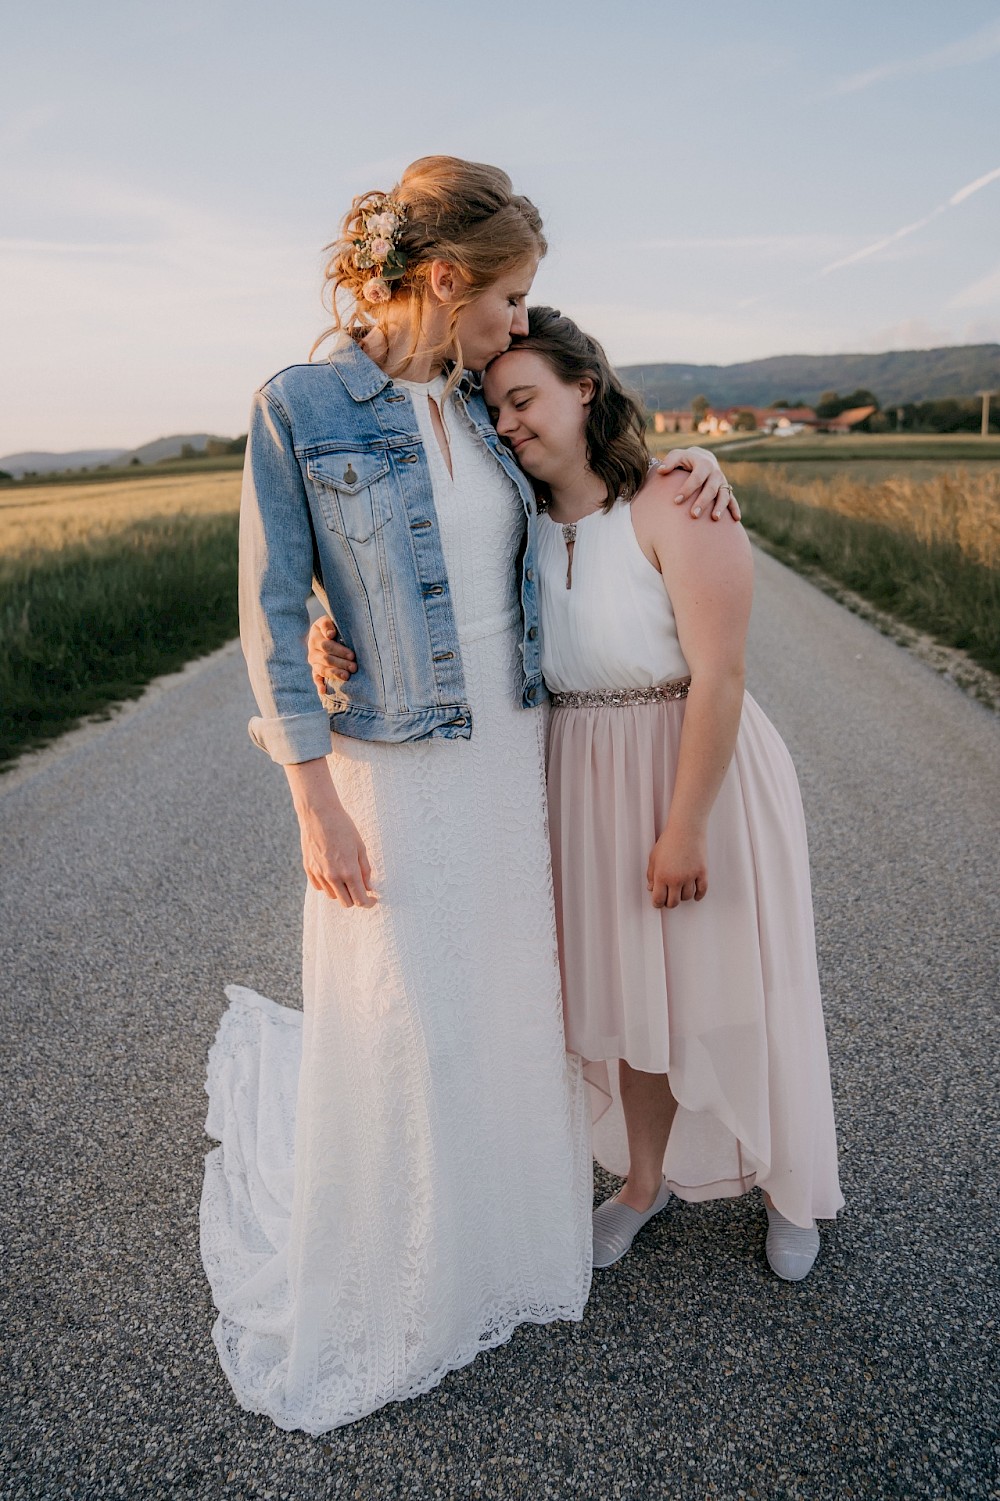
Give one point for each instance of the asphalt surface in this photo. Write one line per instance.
(150, 861)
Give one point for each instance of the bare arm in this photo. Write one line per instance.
(710, 583)
(333, 852)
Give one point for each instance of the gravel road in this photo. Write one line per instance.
(149, 861)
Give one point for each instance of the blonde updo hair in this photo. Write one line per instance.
(463, 212)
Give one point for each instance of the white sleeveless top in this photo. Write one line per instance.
(615, 627)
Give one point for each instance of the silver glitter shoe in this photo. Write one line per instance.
(790, 1249)
(616, 1226)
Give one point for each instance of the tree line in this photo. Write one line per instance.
(947, 414)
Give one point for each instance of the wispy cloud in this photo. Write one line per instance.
(976, 48)
(908, 333)
(982, 293)
(796, 245)
(67, 247)
(908, 229)
(637, 335)
(18, 127)
(202, 249)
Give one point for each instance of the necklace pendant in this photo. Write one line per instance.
(569, 537)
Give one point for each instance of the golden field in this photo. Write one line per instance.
(956, 505)
(50, 518)
(923, 545)
(105, 586)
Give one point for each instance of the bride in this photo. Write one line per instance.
(403, 1168)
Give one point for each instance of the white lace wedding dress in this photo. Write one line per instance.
(404, 1170)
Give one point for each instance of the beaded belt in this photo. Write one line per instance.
(618, 697)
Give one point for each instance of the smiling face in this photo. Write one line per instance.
(486, 325)
(542, 418)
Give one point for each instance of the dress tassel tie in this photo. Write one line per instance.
(569, 537)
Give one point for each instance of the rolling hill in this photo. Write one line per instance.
(896, 377)
(53, 463)
(18, 464)
(168, 448)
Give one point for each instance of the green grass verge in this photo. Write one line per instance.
(88, 626)
(934, 587)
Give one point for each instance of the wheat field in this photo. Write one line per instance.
(103, 587)
(958, 506)
(923, 548)
(52, 518)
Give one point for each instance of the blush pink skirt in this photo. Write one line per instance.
(721, 995)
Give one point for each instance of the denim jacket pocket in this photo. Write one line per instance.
(351, 489)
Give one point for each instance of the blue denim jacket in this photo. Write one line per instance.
(337, 498)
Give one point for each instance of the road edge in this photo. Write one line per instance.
(947, 661)
(32, 762)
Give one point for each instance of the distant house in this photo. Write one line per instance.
(673, 422)
(786, 419)
(781, 420)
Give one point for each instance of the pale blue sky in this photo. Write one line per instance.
(718, 183)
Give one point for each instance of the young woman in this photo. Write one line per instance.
(403, 1173)
(678, 843)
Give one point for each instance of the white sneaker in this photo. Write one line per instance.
(790, 1249)
(616, 1226)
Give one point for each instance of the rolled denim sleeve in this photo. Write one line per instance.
(276, 571)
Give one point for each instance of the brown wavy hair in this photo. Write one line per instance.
(458, 211)
(616, 422)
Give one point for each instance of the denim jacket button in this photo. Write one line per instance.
(529, 574)
(532, 633)
(408, 458)
(436, 589)
(459, 723)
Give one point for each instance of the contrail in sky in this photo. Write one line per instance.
(973, 187)
(909, 229)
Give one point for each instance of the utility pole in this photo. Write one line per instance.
(984, 430)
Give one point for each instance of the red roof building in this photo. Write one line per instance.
(784, 421)
(847, 421)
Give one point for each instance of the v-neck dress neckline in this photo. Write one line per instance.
(431, 390)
